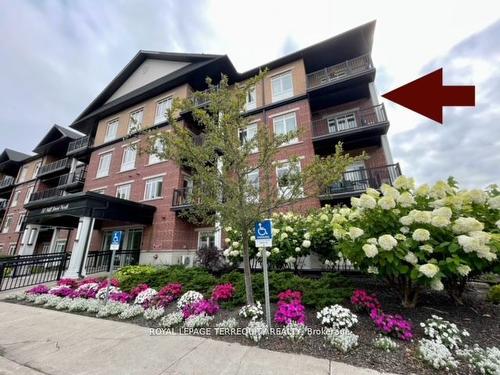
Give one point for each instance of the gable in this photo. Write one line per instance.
(149, 71)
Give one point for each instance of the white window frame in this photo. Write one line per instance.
(15, 198)
(254, 199)
(283, 118)
(129, 157)
(124, 190)
(12, 249)
(37, 168)
(29, 192)
(20, 221)
(111, 130)
(22, 174)
(60, 246)
(155, 159)
(32, 236)
(251, 99)
(162, 106)
(149, 189)
(7, 223)
(349, 119)
(138, 116)
(254, 127)
(101, 171)
(285, 190)
(282, 94)
(207, 232)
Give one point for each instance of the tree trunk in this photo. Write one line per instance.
(455, 288)
(247, 270)
(410, 296)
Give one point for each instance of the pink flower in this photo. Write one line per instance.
(209, 307)
(394, 325)
(290, 296)
(122, 297)
(112, 282)
(363, 301)
(290, 308)
(72, 283)
(39, 289)
(139, 288)
(62, 291)
(223, 292)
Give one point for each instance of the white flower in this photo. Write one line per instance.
(467, 224)
(484, 361)
(294, 331)
(423, 190)
(226, 325)
(421, 235)
(477, 196)
(373, 270)
(275, 250)
(405, 183)
(440, 190)
(498, 224)
(482, 237)
(385, 343)
(290, 260)
(372, 240)
(252, 238)
(370, 250)
(400, 237)
(404, 230)
(307, 236)
(145, 295)
(436, 354)
(297, 250)
(283, 236)
(387, 242)
(373, 193)
(421, 216)
(411, 258)
(339, 233)
(253, 312)
(172, 319)
(289, 229)
(355, 202)
(427, 248)
(436, 284)
(235, 245)
(389, 191)
(406, 199)
(429, 270)
(443, 212)
(228, 229)
(306, 244)
(226, 252)
(440, 221)
(131, 312)
(154, 313)
(366, 201)
(463, 270)
(191, 296)
(197, 321)
(227, 240)
(342, 340)
(406, 220)
(494, 202)
(355, 232)
(256, 330)
(337, 317)
(387, 203)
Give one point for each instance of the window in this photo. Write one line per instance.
(134, 239)
(99, 191)
(161, 110)
(22, 175)
(158, 147)
(253, 181)
(7, 224)
(37, 168)
(12, 249)
(135, 122)
(20, 222)
(111, 130)
(32, 236)
(104, 164)
(15, 198)
(282, 86)
(251, 99)
(287, 178)
(28, 194)
(342, 122)
(286, 124)
(60, 246)
(206, 238)
(153, 188)
(248, 134)
(123, 191)
(128, 160)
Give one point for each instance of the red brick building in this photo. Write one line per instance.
(326, 91)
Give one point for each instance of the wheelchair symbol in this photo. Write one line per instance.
(261, 231)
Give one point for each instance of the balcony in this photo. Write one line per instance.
(181, 199)
(357, 181)
(73, 182)
(47, 194)
(3, 204)
(331, 75)
(79, 146)
(7, 182)
(55, 167)
(351, 127)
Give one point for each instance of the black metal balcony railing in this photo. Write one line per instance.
(47, 194)
(182, 198)
(361, 179)
(339, 72)
(349, 121)
(79, 145)
(56, 166)
(6, 182)
(77, 177)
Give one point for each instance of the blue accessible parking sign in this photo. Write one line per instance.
(116, 239)
(264, 233)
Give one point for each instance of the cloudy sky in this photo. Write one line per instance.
(58, 55)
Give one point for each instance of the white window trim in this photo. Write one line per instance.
(119, 187)
(106, 152)
(277, 175)
(284, 112)
(156, 159)
(249, 106)
(201, 231)
(5, 228)
(132, 126)
(12, 245)
(130, 165)
(125, 182)
(19, 221)
(29, 193)
(274, 97)
(157, 103)
(15, 198)
(99, 188)
(154, 176)
(251, 124)
(294, 140)
(113, 121)
(101, 156)
(38, 165)
(146, 189)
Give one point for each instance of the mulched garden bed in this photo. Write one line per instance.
(481, 319)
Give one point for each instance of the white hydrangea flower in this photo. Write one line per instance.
(306, 244)
(355, 232)
(427, 248)
(370, 250)
(436, 284)
(443, 212)
(467, 224)
(389, 191)
(463, 270)
(429, 270)
(440, 190)
(477, 196)
(290, 260)
(307, 236)
(404, 230)
(421, 235)
(411, 258)
(275, 250)
(373, 192)
(366, 201)
(424, 217)
(252, 238)
(440, 221)
(423, 190)
(386, 203)
(406, 199)
(227, 240)
(373, 270)
(235, 244)
(406, 220)
(387, 242)
(405, 183)
(372, 240)
(355, 202)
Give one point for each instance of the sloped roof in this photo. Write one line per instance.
(56, 134)
(9, 154)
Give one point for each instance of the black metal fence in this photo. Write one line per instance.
(100, 261)
(25, 270)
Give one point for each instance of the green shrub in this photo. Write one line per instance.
(494, 294)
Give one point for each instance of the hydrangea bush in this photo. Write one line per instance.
(425, 237)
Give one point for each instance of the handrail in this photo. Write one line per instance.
(79, 144)
(46, 194)
(182, 197)
(7, 181)
(54, 166)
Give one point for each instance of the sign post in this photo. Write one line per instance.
(264, 240)
(116, 240)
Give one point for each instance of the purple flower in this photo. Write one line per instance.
(62, 291)
(72, 283)
(363, 301)
(394, 325)
(209, 307)
(122, 297)
(39, 289)
(290, 308)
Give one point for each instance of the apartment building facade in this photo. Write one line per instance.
(325, 91)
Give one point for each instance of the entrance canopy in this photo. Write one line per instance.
(67, 210)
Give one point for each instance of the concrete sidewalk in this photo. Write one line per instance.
(38, 341)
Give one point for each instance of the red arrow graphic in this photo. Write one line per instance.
(427, 95)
